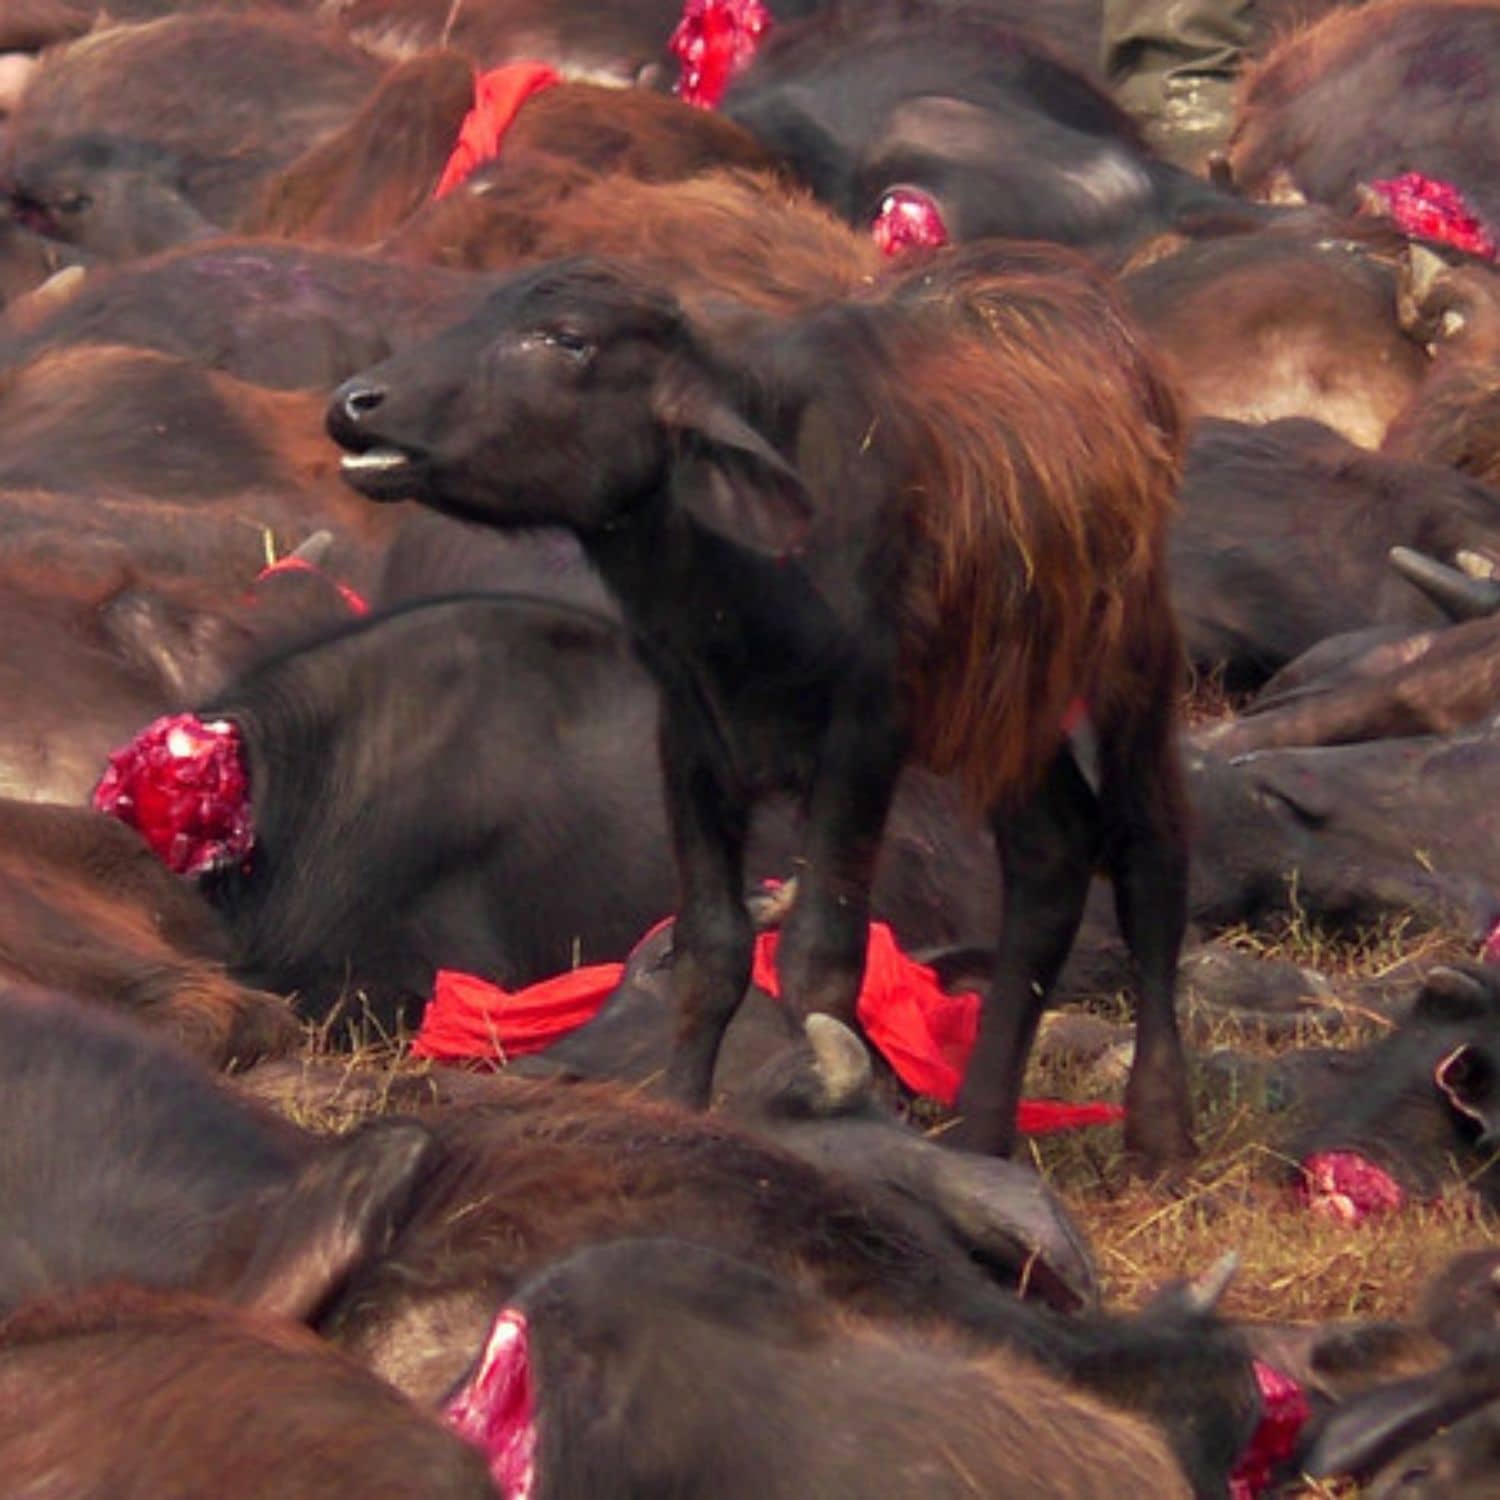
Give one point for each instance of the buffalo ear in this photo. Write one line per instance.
(749, 493)
(289, 1251)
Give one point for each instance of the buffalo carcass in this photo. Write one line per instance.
(1450, 418)
(127, 1162)
(1293, 320)
(402, 149)
(1413, 1112)
(1283, 538)
(915, 1415)
(935, 123)
(169, 1395)
(1350, 834)
(100, 642)
(94, 160)
(1381, 682)
(896, 633)
(1405, 93)
(408, 775)
(85, 906)
(273, 314)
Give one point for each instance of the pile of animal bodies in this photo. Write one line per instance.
(794, 492)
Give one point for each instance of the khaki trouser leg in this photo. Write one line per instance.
(1172, 64)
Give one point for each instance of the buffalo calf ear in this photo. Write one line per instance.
(1453, 994)
(289, 1251)
(749, 492)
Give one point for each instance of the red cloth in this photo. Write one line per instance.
(1434, 210)
(925, 1034)
(293, 564)
(498, 97)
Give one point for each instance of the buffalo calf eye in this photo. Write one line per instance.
(570, 343)
(74, 203)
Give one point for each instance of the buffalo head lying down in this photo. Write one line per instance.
(923, 525)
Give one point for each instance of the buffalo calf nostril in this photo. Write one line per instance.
(361, 401)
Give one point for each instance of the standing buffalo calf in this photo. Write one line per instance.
(923, 526)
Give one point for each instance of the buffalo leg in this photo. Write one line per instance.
(821, 957)
(713, 937)
(1048, 849)
(1146, 854)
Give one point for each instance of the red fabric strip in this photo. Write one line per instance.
(498, 97)
(925, 1034)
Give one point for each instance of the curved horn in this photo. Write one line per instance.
(1454, 592)
(842, 1062)
(1203, 1294)
(313, 549)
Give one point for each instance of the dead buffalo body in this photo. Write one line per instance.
(824, 1405)
(384, 166)
(1450, 418)
(127, 1161)
(85, 907)
(1292, 321)
(798, 673)
(170, 1395)
(816, 1096)
(1372, 92)
(1282, 538)
(989, 131)
(95, 161)
(469, 750)
(540, 1172)
(105, 635)
(1422, 1105)
(268, 313)
(1433, 682)
(720, 239)
(1350, 833)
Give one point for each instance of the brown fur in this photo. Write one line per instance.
(1017, 604)
(721, 236)
(540, 1171)
(1322, 103)
(90, 418)
(827, 1404)
(635, 131)
(264, 87)
(357, 185)
(131, 1393)
(1292, 322)
(87, 908)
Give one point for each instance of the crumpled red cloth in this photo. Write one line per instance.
(495, 1410)
(925, 1034)
(1284, 1413)
(714, 41)
(1434, 210)
(1346, 1186)
(182, 784)
(498, 97)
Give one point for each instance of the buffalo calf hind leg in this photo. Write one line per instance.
(1048, 849)
(1147, 858)
(713, 937)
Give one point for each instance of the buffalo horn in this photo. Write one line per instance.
(1454, 592)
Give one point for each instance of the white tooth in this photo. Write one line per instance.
(375, 459)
